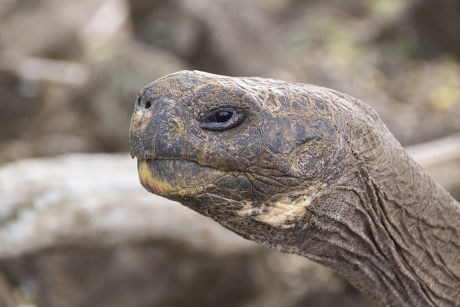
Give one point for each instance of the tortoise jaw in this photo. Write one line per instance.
(174, 178)
(151, 179)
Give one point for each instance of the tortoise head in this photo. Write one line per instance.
(302, 169)
(237, 148)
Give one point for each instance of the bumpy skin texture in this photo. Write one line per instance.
(310, 171)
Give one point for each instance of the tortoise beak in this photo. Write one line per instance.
(138, 134)
(176, 178)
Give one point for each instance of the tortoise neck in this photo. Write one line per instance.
(395, 230)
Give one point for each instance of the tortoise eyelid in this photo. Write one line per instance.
(216, 120)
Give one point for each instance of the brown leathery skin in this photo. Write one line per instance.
(310, 171)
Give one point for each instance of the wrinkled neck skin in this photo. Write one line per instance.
(385, 225)
(395, 233)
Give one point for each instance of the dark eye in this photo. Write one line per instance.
(221, 119)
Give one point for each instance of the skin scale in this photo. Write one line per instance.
(306, 170)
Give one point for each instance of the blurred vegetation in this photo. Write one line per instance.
(70, 71)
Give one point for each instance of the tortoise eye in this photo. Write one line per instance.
(221, 119)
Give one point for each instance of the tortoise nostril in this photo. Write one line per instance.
(148, 104)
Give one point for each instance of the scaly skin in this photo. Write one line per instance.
(309, 171)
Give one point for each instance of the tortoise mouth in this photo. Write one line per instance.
(176, 178)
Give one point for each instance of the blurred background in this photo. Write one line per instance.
(78, 230)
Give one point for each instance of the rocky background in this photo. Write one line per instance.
(78, 230)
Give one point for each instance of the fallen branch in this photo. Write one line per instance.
(96, 199)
